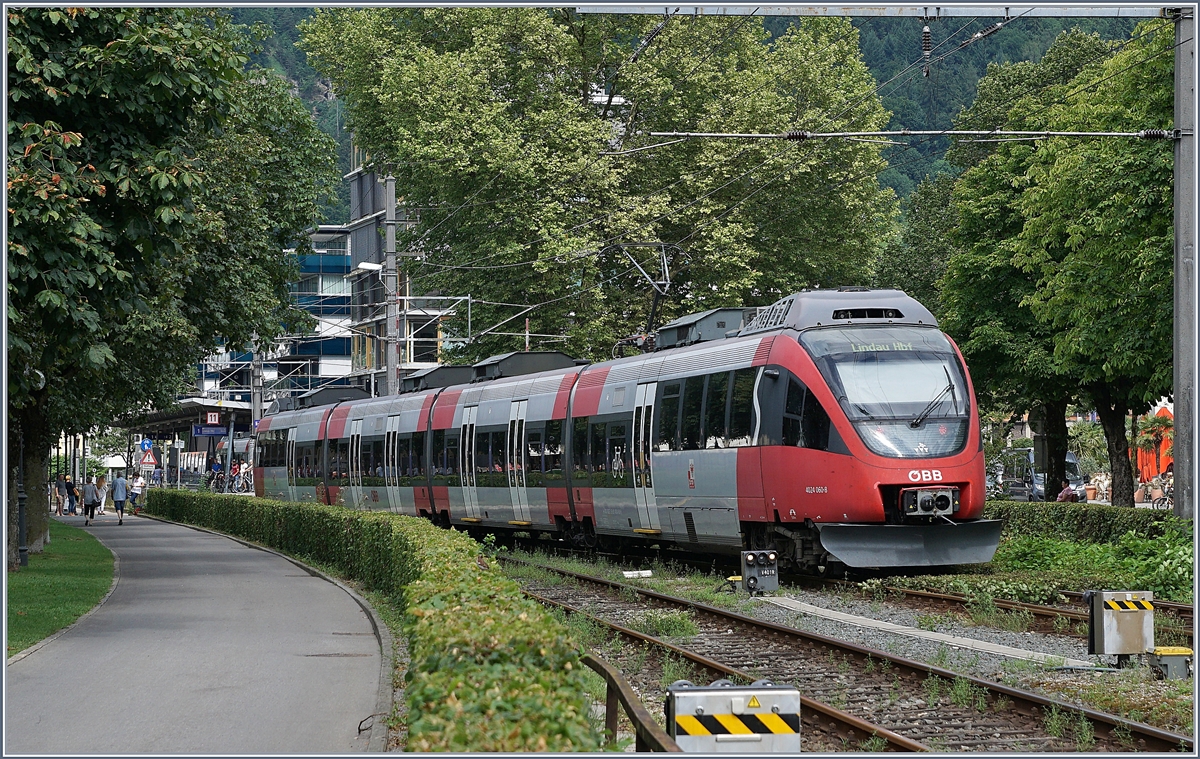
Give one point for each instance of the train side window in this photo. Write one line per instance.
(418, 457)
(793, 433)
(579, 454)
(693, 405)
(373, 463)
(437, 466)
(666, 437)
(805, 422)
(451, 458)
(403, 461)
(599, 462)
(497, 465)
(815, 424)
(620, 470)
(716, 399)
(741, 408)
(535, 461)
(554, 452)
(306, 468)
(339, 463)
(483, 459)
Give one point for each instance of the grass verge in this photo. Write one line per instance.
(59, 586)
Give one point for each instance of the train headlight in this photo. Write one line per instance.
(762, 558)
(751, 583)
(749, 559)
(771, 557)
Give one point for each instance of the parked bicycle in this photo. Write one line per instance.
(1166, 502)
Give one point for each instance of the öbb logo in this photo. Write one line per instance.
(925, 475)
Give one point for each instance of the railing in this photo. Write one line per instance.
(649, 736)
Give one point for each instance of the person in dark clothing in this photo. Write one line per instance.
(72, 496)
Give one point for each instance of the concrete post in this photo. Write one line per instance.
(1185, 262)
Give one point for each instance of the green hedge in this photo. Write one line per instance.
(1081, 522)
(490, 670)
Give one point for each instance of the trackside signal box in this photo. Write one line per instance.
(760, 571)
(1120, 622)
(723, 718)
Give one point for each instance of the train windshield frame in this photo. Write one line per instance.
(903, 388)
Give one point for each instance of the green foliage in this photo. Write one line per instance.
(916, 262)
(670, 623)
(496, 147)
(1081, 522)
(1163, 563)
(60, 585)
(490, 669)
(1086, 440)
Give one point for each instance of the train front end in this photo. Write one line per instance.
(897, 479)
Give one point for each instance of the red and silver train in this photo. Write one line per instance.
(837, 427)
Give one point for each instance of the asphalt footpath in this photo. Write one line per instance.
(205, 646)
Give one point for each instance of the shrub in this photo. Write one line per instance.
(1082, 522)
(490, 670)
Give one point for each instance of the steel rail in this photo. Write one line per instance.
(1151, 738)
(847, 725)
(1183, 610)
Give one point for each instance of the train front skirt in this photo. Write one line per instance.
(911, 545)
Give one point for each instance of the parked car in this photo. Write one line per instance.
(1022, 483)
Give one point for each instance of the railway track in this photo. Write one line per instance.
(1176, 621)
(824, 728)
(922, 703)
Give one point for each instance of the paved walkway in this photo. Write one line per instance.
(205, 646)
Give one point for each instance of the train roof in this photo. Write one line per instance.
(846, 305)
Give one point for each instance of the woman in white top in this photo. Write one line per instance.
(102, 490)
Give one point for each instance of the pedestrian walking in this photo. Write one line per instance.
(119, 492)
(90, 498)
(72, 496)
(102, 488)
(139, 484)
(60, 495)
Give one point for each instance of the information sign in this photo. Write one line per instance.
(204, 430)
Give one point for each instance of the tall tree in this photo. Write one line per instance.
(492, 121)
(133, 246)
(986, 291)
(1098, 236)
(916, 261)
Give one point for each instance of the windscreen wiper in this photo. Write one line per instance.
(915, 423)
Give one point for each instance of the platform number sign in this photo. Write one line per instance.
(213, 417)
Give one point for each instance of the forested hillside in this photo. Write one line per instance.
(891, 48)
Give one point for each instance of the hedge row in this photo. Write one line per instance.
(1081, 522)
(489, 669)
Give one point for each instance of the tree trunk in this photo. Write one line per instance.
(1055, 414)
(1112, 412)
(27, 427)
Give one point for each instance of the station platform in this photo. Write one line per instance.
(204, 645)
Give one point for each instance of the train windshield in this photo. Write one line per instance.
(902, 388)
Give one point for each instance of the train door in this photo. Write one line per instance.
(517, 461)
(391, 467)
(466, 447)
(643, 475)
(291, 464)
(354, 465)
